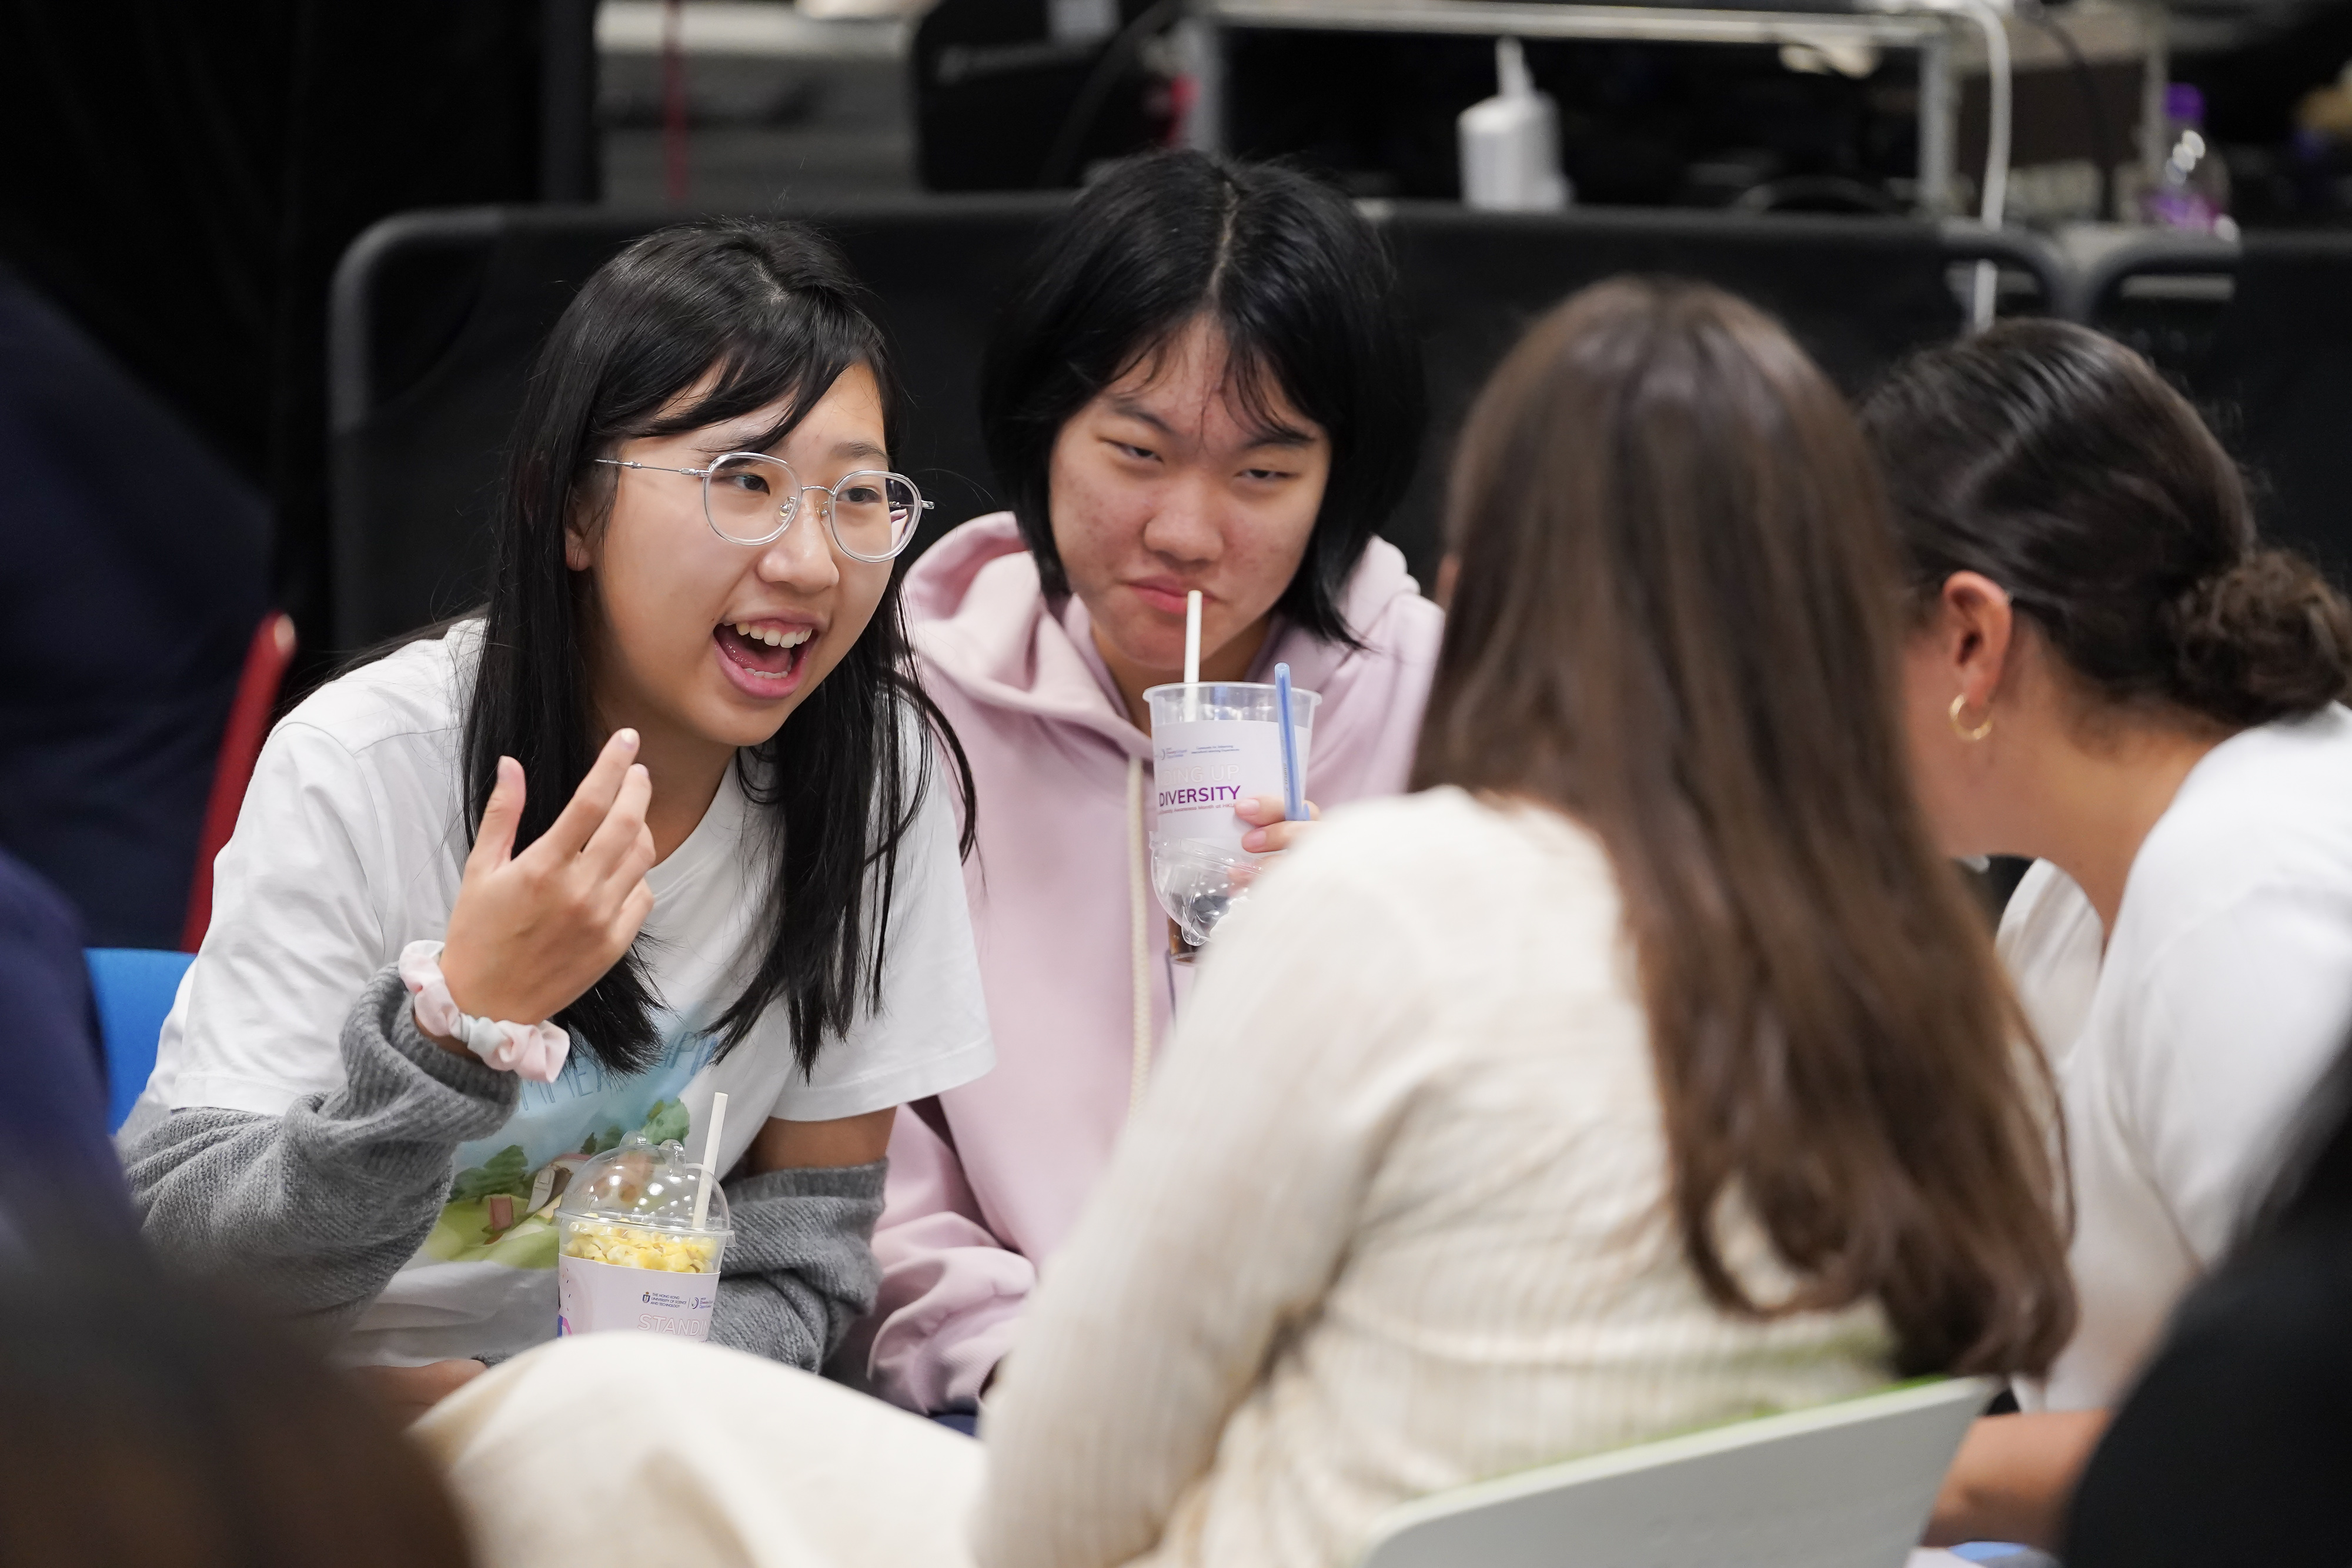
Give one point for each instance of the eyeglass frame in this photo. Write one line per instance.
(831, 493)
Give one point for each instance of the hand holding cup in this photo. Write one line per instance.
(1270, 834)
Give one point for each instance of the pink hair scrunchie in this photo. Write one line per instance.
(532, 1051)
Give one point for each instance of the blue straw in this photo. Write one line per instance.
(1293, 789)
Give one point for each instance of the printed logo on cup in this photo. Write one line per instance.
(1214, 746)
(596, 1297)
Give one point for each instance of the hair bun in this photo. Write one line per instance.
(2267, 638)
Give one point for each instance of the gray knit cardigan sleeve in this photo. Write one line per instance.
(800, 1268)
(315, 1211)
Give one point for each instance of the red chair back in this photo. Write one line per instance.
(266, 658)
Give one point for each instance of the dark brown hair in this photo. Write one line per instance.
(152, 1425)
(2057, 463)
(1676, 619)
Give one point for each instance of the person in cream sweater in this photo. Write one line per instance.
(1646, 1069)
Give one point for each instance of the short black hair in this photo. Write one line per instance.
(1302, 289)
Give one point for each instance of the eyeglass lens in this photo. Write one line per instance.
(873, 514)
(751, 499)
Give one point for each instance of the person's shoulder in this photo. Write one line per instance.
(984, 559)
(1449, 837)
(1410, 629)
(1387, 611)
(2306, 759)
(2268, 810)
(418, 690)
(1393, 823)
(1482, 910)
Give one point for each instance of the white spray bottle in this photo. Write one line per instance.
(1510, 143)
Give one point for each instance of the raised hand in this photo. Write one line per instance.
(531, 932)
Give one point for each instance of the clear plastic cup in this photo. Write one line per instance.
(1214, 744)
(629, 1254)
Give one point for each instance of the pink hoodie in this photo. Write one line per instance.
(1068, 930)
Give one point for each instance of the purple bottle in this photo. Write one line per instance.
(2192, 189)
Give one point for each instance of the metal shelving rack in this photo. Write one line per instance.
(1932, 35)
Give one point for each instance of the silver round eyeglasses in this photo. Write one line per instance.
(750, 498)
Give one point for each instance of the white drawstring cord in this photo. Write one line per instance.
(1140, 907)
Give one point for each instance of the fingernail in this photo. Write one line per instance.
(626, 737)
(1254, 840)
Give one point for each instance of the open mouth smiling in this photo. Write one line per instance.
(763, 655)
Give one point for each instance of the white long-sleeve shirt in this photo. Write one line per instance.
(2186, 1050)
(1393, 1219)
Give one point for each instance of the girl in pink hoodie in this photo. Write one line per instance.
(1210, 382)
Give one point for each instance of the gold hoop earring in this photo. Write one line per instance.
(1979, 732)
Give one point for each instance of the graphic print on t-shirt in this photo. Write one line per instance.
(501, 1206)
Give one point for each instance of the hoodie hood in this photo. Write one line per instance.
(981, 622)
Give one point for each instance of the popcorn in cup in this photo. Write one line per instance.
(631, 1255)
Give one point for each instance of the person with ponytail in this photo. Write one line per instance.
(663, 820)
(2110, 672)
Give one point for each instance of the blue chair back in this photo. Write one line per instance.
(134, 988)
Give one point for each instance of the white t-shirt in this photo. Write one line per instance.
(351, 845)
(2184, 1054)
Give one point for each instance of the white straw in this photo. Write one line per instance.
(710, 1158)
(1193, 638)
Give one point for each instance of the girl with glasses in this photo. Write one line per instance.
(665, 819)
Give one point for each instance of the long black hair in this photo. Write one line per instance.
(771, 308)
(2057, 463)
(1308, 300)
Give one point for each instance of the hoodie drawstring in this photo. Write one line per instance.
(1140, 907)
